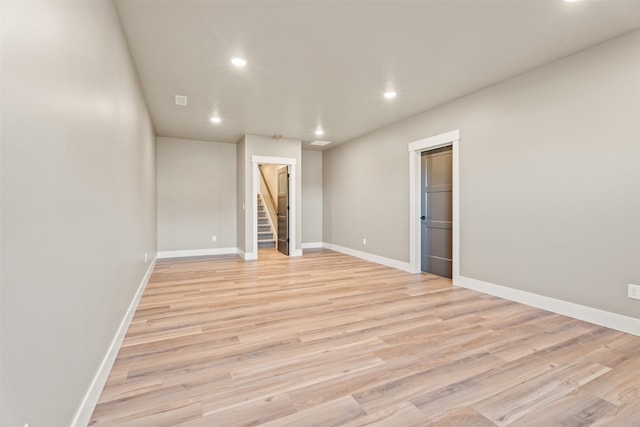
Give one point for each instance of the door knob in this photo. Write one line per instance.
(423, 217)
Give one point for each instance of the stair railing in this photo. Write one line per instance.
(266, 184)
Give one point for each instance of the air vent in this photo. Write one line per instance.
(181, 100)
(320, 143)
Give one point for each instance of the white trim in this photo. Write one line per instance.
(196, 252)
(291, 163)
(433, 142)
(251, 256)
(607, 319)
(415, 149)
(274, 160)
(88, 404)
(312, 245)
(393, 263)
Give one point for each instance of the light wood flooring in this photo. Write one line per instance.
(331, 340)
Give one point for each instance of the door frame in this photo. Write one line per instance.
(293, 217)
(416, 148)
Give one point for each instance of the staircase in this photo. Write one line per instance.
(266, 234)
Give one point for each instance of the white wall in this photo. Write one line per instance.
(549, 180)
(196, 194)
(311, 196)
(78, 202)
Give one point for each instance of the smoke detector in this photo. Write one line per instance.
(181, 100)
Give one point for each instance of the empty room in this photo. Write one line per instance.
(320, 213)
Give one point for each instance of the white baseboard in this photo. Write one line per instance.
(197, 252)
(248, 256)
(313, 245)
(88, 404)
(404, 266)
(596, 316)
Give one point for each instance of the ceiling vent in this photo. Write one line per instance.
(181, 100)
(320, 143)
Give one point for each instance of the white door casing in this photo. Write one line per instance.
(415, 149)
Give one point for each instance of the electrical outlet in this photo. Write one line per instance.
(634, 291)
(364, 240)
(213, 238)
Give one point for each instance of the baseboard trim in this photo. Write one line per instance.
(312, 245)
(404, 266)
(248, 256)
(596, 316)
(197, 252)
(88, 404)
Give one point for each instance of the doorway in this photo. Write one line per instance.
(416, 148)
(436, 230)
(251, 236)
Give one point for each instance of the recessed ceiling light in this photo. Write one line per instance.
(215, 119)
(571, 1)
(390, 94)
(239, 62)
(320, 143)
(181, 100)
(319, 132)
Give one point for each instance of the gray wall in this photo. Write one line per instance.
(549, 180)
(196, 194)
(240, 193)
(311, 196)
(78, 201)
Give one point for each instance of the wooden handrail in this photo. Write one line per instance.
(266, 184)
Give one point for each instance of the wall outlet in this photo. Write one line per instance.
(633, 291)
(364, 240)
(213, 238)
(146, 257)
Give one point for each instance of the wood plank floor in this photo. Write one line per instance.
(330, 340)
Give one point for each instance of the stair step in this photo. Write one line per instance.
(266, 234)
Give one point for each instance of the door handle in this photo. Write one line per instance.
(423, 217)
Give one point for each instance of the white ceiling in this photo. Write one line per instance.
(327, 63)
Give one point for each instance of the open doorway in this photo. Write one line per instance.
(273, 208)
(446, 141)
(286, 237)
